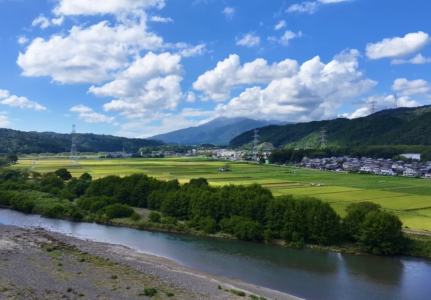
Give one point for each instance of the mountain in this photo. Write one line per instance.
(217, 132)
(14, 141)
(399, 126)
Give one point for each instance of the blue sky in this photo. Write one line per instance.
(138, 68)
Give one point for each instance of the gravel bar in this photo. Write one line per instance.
(39, 264)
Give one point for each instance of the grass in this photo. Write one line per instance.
(393, 193)
(237, 292)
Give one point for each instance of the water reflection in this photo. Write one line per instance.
(304, 273)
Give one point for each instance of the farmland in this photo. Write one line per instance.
(410, 198)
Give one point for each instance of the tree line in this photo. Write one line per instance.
(249, 213)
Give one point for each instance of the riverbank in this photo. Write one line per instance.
(39, 264)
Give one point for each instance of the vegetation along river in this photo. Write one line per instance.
(308, 274)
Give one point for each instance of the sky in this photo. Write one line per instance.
(138, 68)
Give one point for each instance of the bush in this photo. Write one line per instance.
(56, 212)
(170, 220)
(149, 292)
(118, 211)
(135, 217)
(237, 292)
(208, 225)
(154, 217)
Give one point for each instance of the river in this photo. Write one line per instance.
(308, 274)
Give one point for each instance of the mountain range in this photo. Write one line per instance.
(398, 126)
(217, 132)
(14, 141)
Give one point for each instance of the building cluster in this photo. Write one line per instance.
(368, 165)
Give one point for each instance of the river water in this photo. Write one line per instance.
(308, 274)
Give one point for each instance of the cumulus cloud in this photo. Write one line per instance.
(89, 116)
(41, 21)
(191, 97)
(280, 25)
(249, 40)
(228, 12)
(4, 121)
(418, 59)
(304, 7)
(94, 117)
(190, 51)
(81, 109)
(285, 38)
(161, 19)
(228, 74)
(96, 7)
(88, 54)
(381, 102)
(311, 92)
(141, 90)
(22, 39)
(398, 46)
(15, 101)
(311, 7)
(58, 21)
(412, 87)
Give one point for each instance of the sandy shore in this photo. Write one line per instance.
(39, 264)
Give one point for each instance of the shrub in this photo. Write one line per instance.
(135, 217)
(56, 212)
(154, 217)
(170, 220)
(149, 292)
(118, 211)
(237, 292)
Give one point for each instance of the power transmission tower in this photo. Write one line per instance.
(395, 101)
(73, 151)
(323, 137)
(373, 105)
(255, 142)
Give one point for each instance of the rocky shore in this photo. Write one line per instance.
(39, 264)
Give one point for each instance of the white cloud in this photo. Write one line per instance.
(81, 109)
(249, 40)
(88, 54)
(16, 101)
(412, 87)
(193, 50)
(22, 102)
(229, 74)
(304, 7)
(418, 59)
(141, 90)
(67, 115)
(94, 117)
(4, 121)
(280, 25)
(41, 21)
(191, 97)
(95, 7)
(22, 39)
(381, 102)
(58, 21)
(160, 19)
(228, 12)
(89, 116)
(285, 38)
(312, 92)
(311, 7)
(398, 46)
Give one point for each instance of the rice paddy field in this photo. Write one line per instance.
(410, 198)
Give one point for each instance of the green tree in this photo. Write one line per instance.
(12, 158)
(63, 174)
(154, 217)
(381, 233)
(356, 213)
(86, 177)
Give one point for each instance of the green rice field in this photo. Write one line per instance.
(410, 198)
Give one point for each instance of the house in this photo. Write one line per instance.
(387, 172)
(411, 155)
(410, 172)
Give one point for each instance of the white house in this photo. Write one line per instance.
(412, 155)
(387, 172)
(410, 172)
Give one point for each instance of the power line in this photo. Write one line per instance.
(323, 137)
(373, 103)
(74, 151)
(395, 101)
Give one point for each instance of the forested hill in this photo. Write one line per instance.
(14, 141)
(401, 126)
